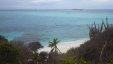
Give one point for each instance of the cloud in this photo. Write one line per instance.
(103, 1)
(55, 4)
(44, 1)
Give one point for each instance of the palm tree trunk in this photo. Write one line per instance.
(59, 50)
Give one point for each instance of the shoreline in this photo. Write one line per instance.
(65, 46)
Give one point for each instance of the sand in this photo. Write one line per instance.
(65, 46)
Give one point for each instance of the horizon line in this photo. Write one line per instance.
(48, 9)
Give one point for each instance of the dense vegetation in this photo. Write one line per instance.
(97, 50)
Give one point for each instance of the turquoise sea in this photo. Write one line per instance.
(44, 25)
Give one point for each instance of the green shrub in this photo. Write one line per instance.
(8, 54)
(68, 60)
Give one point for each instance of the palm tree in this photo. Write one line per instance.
(54, 51)
(53, 45)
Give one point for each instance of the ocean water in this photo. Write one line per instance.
(44, 25)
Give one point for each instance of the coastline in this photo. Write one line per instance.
(65, 46)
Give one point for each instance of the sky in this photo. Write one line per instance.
(56, 4)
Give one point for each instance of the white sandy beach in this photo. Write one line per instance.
(64, 46)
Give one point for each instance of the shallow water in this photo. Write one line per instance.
(67, 25)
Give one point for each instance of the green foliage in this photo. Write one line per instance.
(110, 60)
(40, 58)
(96, 29)
(35, 57)
(8, 54)
(3, 40)
(54, 42)
(95, 32)
(82, 61)
(34, 47)
(68, 60)
(43, 56)
(53, 45)
(24, 52)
